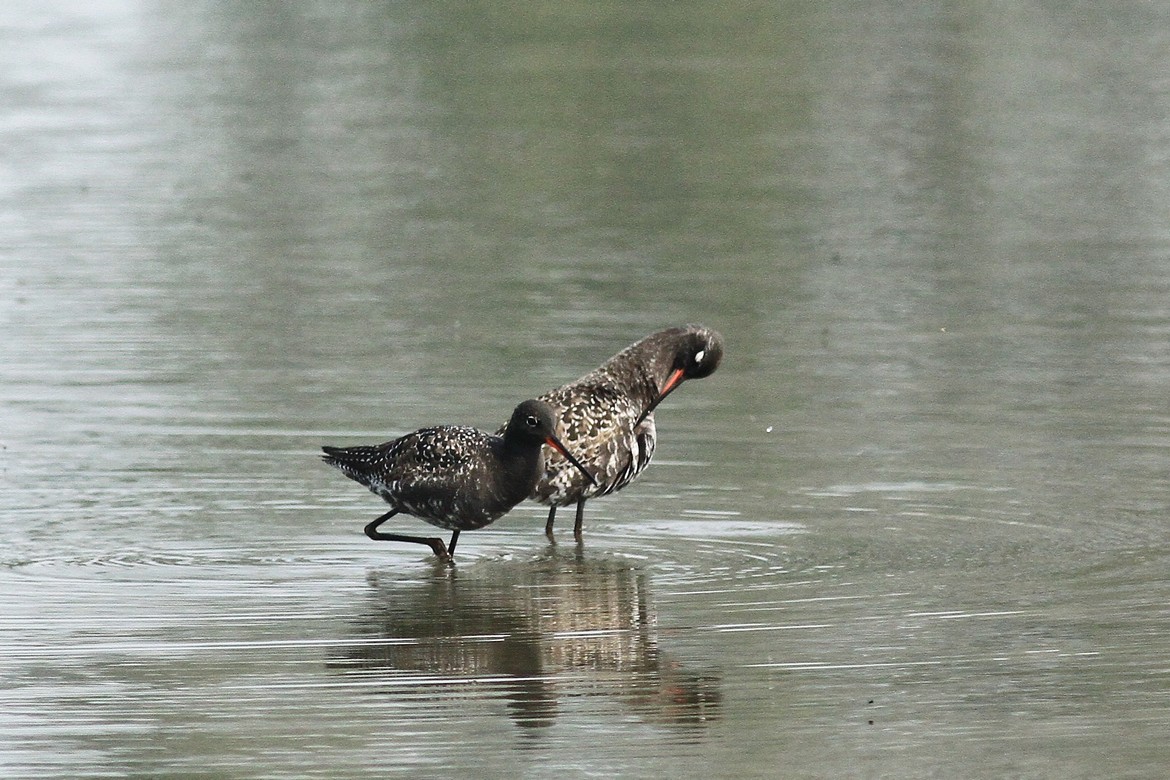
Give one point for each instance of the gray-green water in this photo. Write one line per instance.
(915, 526)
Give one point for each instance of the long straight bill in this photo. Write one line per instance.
(674, 380)
(555, 443)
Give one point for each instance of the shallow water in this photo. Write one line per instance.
(914, 526)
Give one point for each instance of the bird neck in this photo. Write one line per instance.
(641, 369)
(522, 461)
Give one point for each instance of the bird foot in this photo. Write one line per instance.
(440, 550)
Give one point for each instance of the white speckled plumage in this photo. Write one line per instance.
(607, 415)
(440, 474)
(600, 420)
(454, 477)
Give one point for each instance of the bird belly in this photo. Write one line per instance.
(450, 511)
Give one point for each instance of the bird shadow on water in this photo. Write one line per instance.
(535, 633)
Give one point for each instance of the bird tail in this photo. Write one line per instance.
(357, 463)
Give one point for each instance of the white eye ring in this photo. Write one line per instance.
(699, 355)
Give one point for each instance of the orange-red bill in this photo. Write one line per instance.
(674, 380)
(555, 443)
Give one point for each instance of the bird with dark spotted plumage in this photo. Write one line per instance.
(454, 477)
(607, 416)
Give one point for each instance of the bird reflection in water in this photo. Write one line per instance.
(531, 632)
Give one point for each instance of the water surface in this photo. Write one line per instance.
(914, 526)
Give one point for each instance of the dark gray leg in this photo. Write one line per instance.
(580, 518)
(552, 513)
(434, 543)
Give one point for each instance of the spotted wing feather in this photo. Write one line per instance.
(597, 425)
(432, 474)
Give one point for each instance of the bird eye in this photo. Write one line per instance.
(702, 353)
(531, 421)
